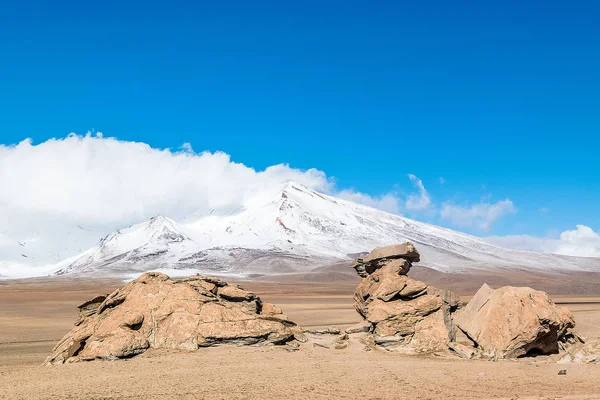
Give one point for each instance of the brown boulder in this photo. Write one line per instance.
(386, 284)
(405, 250)
(402, 254)
(234, 293)
(361, 327)
(155, 311)
(403, 313)
(514, 321)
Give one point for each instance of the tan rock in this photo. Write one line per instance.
(132, 320)
(361, 327)
(402, 313)
(233, 293)
(323, 331)
(385, 284)
(462, 350)
(299, 334)
(514, 321)
(405, 250)
(386, 256)
(155, 311)
(422, 306)
(431, 334)
(270, 309)
(92, 303)
(341, 346)
(120, 343)
(450, 303)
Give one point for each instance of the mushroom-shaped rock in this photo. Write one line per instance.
(401, 255)
(405, 250)
(402, 313)
(155, 311)
(514, 321)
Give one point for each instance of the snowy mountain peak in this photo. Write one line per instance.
(293, 228)
(158, 229)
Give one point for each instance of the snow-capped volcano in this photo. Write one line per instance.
(293, 228)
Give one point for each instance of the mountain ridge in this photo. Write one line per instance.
(295, 229)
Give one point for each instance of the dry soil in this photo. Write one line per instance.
(34, 314)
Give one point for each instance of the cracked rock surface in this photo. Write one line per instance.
(399, 312)
(512, 322)
(155, 311)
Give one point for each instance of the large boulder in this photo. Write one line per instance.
(402, 254)
(514, 321)
(402, 313)
(155, 311)
(386, 284)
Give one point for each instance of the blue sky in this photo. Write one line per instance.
(501, 99)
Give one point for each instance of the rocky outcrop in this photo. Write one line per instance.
(155, 311)
(514, 321)
(405, 314)
(403, 255)
(400, 312)
(361, 327)
(581, 353)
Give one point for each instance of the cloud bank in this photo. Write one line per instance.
(582, 241)
(103, 181)
(389, 202)
(60, 196)
(101, 184)
(481, 215)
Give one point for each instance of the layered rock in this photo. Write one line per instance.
(404, 255)
(406, 314)
(400, 312)
(155, 311)
(514, 321)
(582, 353)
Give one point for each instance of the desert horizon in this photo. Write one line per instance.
(36, 313)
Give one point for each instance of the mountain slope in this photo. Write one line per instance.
(291, 229)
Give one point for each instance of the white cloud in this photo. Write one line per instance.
(481, 215)
(101, 181)
(388, 202)
(525, 242)
(420, 201)
(63, 190)
(582, 241)
(442, 180)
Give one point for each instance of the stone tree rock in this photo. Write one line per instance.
(402, 313)
(155, 311)
(514, 321)
(401, 254)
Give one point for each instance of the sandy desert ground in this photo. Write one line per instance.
(34, 314)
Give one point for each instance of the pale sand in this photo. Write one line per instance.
(36, 313)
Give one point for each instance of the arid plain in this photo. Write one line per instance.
(36, 313)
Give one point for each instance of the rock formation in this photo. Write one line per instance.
(581, 353)
(155, 311)
(515, 321)
(400, 312)
(404, 314)
(402, 254)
